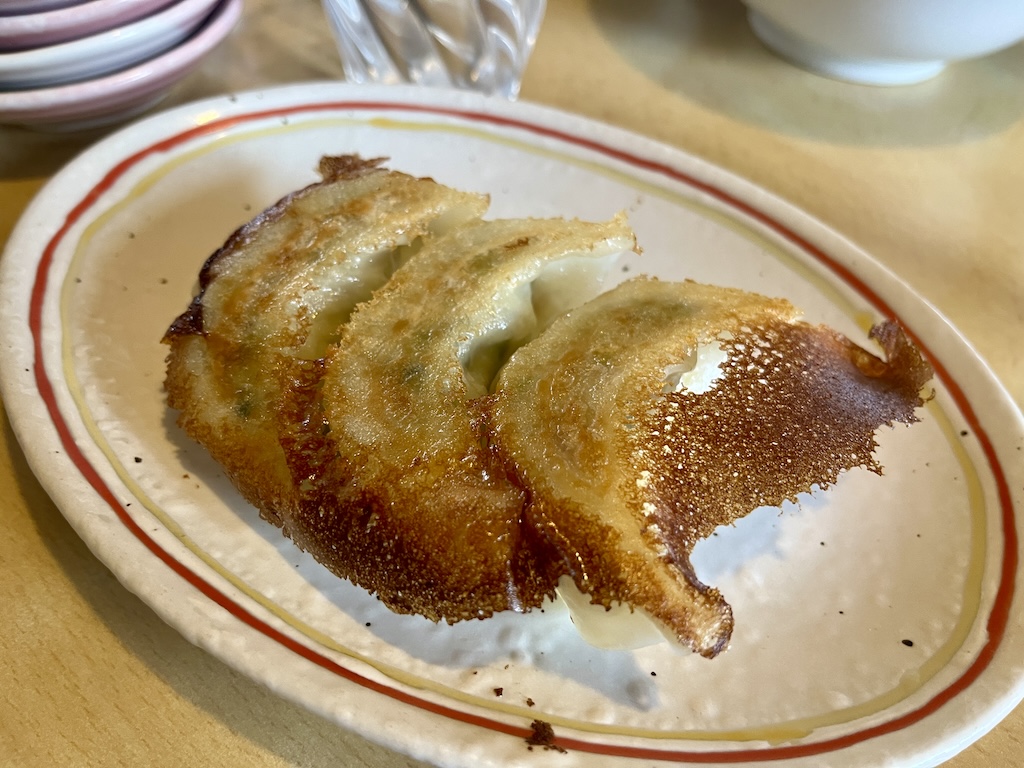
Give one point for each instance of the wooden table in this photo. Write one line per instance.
(928, 178)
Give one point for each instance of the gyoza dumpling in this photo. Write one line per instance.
(347, 361)
(274, 296)
(659, 411)
(400, 491)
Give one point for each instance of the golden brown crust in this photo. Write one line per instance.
(271, 297)
(409, 481)
(627, 477)
(340, 362)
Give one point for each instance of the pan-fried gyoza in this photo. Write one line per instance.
(449, 412)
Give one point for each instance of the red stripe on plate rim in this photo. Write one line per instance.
(998, 618)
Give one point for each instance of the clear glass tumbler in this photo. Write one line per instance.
(481, 45)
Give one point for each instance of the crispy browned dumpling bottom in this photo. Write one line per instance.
(448, 412)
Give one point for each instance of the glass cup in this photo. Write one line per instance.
(482, 45)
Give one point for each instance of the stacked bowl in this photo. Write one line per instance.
(72, 64)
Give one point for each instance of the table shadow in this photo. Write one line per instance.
(704, 51)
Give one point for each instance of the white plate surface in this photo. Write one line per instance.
(875, 623)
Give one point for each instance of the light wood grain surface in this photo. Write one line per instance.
(929, 179)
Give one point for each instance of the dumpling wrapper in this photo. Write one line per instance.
(339, 362)
(272, 298)
(400, 493)
(626, 472)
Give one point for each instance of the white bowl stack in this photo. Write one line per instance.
(72, 64)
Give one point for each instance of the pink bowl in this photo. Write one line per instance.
(122, 95)
(47, 27)
(88, 58)
(12, 7)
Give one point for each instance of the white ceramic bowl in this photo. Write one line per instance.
(106, 52)
(885, 42)
(122, 95)
(47, 23)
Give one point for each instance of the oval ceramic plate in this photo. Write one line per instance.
(872, 622)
